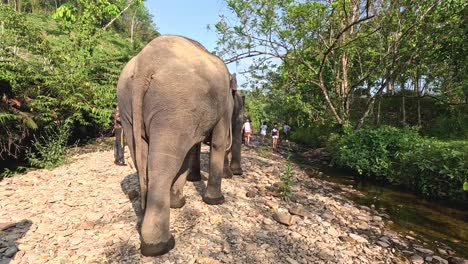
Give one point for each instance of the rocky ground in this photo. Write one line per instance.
(86, 212)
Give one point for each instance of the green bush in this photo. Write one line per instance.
(49, 150)
(312, 136)
(400, 156)
(287, 180)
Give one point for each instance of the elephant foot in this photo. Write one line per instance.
(177, 202)
(151, 250)
(194, 177)
(227, 174)
(213, 201)
(237, 171)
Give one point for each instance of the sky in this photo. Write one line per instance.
(189, 18)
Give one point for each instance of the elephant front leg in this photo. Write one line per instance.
(235, 165)
(213, 193)
(227, 174)
(194, 164)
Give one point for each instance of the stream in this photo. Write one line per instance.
(435, 224)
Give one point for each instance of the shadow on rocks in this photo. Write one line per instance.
(10, 233)
(131, 188)
(123, 252)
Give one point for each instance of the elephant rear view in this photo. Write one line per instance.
(171, 96)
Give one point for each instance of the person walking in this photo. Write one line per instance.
(286, 130)
(119, 139)
(247, 128)
(275, 135)
(263, 131)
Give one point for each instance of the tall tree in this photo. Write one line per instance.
(337, 46)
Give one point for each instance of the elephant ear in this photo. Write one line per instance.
(233, 82)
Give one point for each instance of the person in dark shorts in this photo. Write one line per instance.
(119, 139)
(275, 135)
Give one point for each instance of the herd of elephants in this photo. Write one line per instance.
(172, 96)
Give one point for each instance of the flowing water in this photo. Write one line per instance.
(431, 222)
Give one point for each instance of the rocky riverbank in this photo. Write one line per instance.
(86, 212)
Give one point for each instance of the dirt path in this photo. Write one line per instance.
(84, 212)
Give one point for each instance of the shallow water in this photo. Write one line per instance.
(431, 222)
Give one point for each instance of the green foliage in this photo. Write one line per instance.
(65, 69)
(49, 150)
(400, 156)
(332, 60)
(287, 180)
(315, 136)
(8, 173)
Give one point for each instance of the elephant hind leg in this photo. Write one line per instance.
(194, 164)
(177, 189)
(164, 161)
(227, 174)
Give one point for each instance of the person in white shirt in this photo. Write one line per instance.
(263, 131)
(247, 128)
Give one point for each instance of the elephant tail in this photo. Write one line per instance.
(141, 84)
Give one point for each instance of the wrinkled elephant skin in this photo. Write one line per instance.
(171, 96)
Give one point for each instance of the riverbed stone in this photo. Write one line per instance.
(424, 250)
(416, 259)
(284, 218)
(440, 260)
(88, 211)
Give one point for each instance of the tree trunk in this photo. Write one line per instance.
(378, 112)
(403, 100)
(416, 89)
(132, 26)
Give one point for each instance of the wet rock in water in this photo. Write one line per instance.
(284, 218)
(457, 260)
(442, 251)
(440, 260)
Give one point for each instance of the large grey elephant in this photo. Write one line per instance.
(173, 95)
(233, 166)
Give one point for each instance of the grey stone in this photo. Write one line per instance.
(383, 244)
(424, 251)
(284, 218)
(10, 252)
(416, 259)
(300, 211)
(358, 238)
(291, 261)
(326, 254)
(440, 260)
